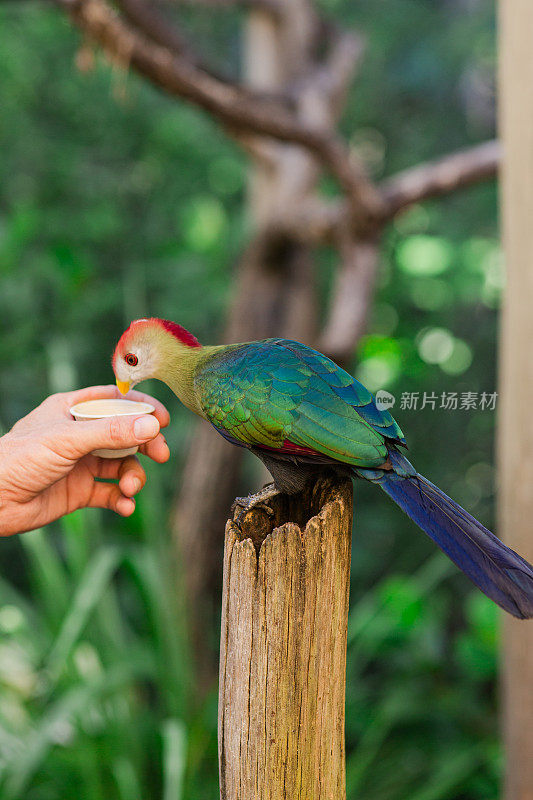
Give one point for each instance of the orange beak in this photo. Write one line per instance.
(123, 386)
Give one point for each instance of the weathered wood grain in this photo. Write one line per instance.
(283, 649)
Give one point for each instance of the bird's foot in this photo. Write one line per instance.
(257, 500)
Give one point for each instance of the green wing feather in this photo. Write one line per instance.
(264, 393)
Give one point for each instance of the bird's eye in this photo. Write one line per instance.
(131, 359)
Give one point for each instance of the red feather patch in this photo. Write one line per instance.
(180, 333)
(290, 447)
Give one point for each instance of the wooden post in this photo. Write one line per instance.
(283, 649)
(516, 376)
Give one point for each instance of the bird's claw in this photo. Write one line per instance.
(250, 503)
(239, 502)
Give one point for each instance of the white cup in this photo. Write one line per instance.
(100, 409)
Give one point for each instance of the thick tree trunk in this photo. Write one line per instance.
(275, 296)
(351, 299)
(283, 649)
(271, 298)
(516, 377)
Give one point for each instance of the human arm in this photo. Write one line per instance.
(46, 466)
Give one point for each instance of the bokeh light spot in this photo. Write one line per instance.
(425, 255)
(435, 345)
(459, 359)
(205, 222)
(378, 371)
(11, 619)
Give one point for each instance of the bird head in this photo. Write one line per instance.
(146, 348)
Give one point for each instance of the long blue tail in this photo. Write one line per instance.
(497, 570)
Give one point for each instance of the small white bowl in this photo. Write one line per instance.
(111, 407)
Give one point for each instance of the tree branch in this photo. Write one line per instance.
(357, 274)
(443, 176)
(163, 57)
(149, 20)
(319, 221)
(332, 77)
(234, 106)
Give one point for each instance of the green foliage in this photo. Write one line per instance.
(117, 202)
(414, 735)
(96, 677)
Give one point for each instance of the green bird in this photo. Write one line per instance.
(301, 414)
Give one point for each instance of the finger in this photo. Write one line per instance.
(111, 391)
(108, 495)
(128, 471)
(77, 439)
(157, 449)
(161, 412)
(132, 477)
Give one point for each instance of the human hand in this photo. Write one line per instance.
(46, 466)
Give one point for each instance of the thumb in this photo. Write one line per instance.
(113, 433)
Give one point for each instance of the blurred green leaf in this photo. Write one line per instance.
(92, 585)
(174, 758)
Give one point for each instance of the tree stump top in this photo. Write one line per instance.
(314, 504)
(283, 648)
